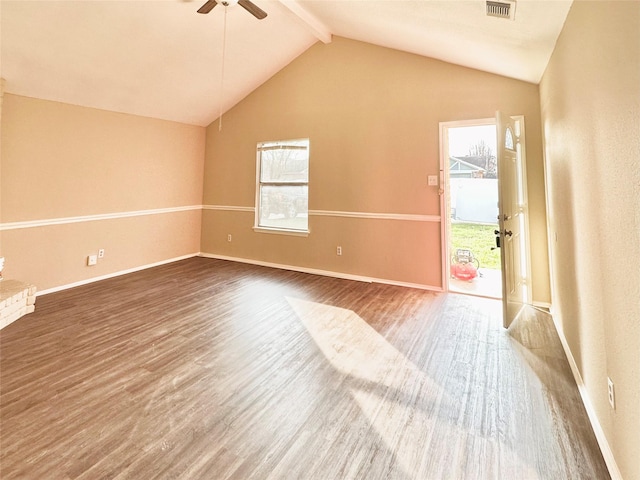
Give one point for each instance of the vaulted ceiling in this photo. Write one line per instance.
(161, 59)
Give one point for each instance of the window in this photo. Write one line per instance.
(283, 186)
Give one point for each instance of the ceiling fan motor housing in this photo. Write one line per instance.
(248, 5)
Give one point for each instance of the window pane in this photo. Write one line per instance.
(508, 141)
(284, 207)
(286, 162)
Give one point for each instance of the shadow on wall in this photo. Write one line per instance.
(563, 253)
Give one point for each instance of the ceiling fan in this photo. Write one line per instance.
(249, 6)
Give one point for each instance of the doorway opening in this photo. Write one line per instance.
(470, 174)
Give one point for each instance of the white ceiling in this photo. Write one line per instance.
(161, 59)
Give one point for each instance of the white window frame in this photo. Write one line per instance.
(278, 230)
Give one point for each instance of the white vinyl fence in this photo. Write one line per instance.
(474, 199)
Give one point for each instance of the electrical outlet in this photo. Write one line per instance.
(229, 238)
(432, 180)
(612, 395)
(92, 260)
(338, 250)
(101, 253)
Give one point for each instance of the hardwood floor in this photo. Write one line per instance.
(206, 369)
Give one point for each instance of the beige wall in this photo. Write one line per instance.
(2, 82)
(372, 115)
(61, 161)
(590, 96)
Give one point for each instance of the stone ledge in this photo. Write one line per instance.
(16, 300)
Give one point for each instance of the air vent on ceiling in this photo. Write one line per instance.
(502, 9)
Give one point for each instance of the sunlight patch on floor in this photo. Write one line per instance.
(351, 345)
(354, 348)
(401, 402)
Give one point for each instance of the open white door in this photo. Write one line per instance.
(511, 218)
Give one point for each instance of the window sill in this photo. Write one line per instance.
(282, 231)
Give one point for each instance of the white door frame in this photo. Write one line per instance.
(445, 210)
(445, 207)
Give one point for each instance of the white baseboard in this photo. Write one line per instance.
(605, 448)
(543, 305)
(324, 273)
(114, 274)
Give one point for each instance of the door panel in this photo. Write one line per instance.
(511, 221)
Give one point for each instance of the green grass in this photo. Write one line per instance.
(479, 239)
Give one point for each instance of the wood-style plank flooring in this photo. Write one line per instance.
(207, 369)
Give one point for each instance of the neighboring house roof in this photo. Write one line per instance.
(458, 164)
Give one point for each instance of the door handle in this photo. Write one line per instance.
(506, 233)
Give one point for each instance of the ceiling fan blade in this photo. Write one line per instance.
(253, 9)
(207, 7)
